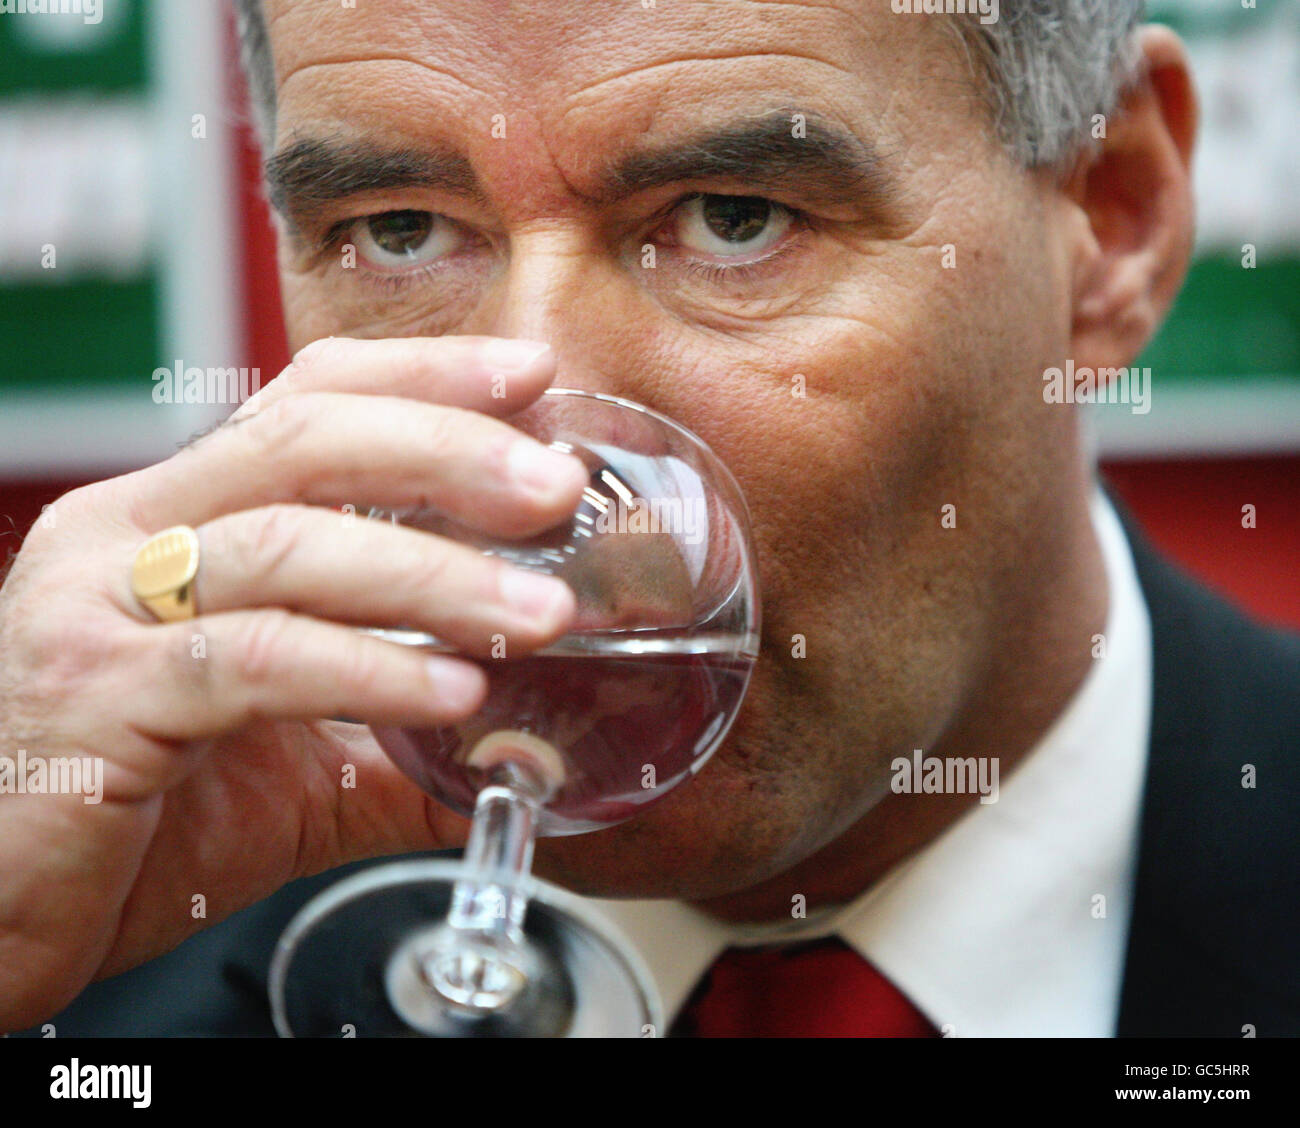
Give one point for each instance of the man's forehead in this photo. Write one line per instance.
(580, 49)
(586, 80)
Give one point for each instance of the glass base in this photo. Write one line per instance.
(354, 963)
(533, 1001)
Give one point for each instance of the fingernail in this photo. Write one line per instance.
(516, 355)
(458, 685)
(539, 470)
(537, 597)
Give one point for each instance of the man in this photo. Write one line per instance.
(844, 244)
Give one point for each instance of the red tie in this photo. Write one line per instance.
(823, 989)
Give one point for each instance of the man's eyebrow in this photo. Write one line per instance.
(789, 151)
(311, 173)
(780, 150)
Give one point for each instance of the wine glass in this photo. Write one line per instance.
(579, 735)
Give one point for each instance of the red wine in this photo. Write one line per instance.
(631, 714)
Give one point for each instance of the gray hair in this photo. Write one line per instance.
(1047, 68)
(1050, 67)
(259, 66)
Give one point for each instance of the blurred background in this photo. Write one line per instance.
(134, 236)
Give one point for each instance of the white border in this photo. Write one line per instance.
(1256, 416)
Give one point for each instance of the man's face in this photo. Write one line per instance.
(863, 351)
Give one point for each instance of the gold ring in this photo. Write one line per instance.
(163, 576)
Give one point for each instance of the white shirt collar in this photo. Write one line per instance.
(995, 927)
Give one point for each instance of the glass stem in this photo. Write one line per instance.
(479, 959)
(498, 856)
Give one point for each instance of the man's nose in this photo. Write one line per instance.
(560, 288)
(540, 294)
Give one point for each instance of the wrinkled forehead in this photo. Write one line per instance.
(583, 75)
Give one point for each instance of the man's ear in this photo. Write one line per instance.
(1134, 193)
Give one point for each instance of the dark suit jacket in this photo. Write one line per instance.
(1213, 945)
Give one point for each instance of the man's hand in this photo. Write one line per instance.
(220, 782)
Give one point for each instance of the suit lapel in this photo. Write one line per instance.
(1211, 946)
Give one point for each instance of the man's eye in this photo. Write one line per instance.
(731, 226)
(402, 239)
